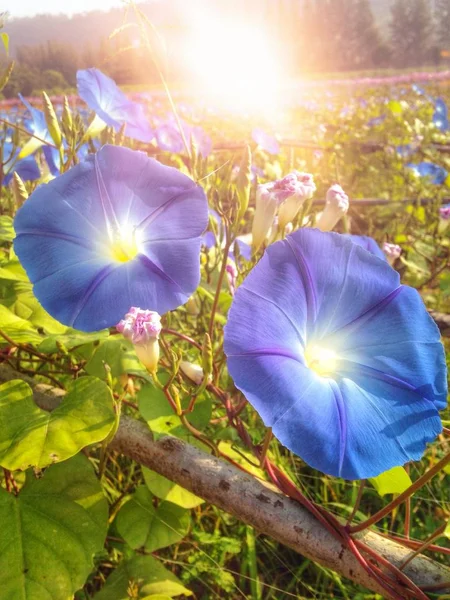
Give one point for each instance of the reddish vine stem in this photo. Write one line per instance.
(419, 483)
(414, 544)
(362, 485)
(407, 524)
(434, 536)
(404, 579)
(186, 338)
(395, 590)
(223, 269)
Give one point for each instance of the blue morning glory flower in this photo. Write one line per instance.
(27, 168)
(418, 90)
(37, 126)
(405, 150)
(265, 141)
(102, 95)
(367, 243)
(169, 138)
(440, 116)
(376, 121)
(436, 173)
(117, 230)
(340, 359)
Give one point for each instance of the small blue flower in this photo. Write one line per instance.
(265, 141)
(405, 150)
(437, 174)
(376, 121)
(340, 359)
(169, 138)
(115, 231)
(103, 96)
(440, 116)
(209, 238)
(27, 168)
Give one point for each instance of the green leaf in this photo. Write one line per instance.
(13, 270)
(7, 233)
(119, 355)
(447, 530)
(395, 107)
(160, 417)
(141, 524)
(19, 330)
(167, 490)
(394, 481)
(23, 303)
(239, 457)
(51, 531)
(30, 436)
(5, 40)
(147, 575)
(71, 339)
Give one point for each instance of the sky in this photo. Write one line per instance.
(28, 8)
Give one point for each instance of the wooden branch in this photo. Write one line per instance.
(250, 500)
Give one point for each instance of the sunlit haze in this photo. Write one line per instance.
(28, 8)
(246, 72)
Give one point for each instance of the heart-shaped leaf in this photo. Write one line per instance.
(141, 524)
(51, 531)
(146, 576)
(30, 436)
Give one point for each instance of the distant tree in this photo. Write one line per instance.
(422, 29)
(400, 32)
(442, 21)
(363, 40)
(411, 30)
(24, 79)
(53, 81)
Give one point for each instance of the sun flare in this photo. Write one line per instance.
(237, 64)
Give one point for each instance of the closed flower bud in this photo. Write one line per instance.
(142, 328)
(444, 214)
(295, 188)
(392, 252)
(192, 306)
(193, 371)
(19, 190)
(51, 120)
(232, 274)
(336, 207)
(266, 208)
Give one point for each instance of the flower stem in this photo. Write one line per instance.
(425, 478)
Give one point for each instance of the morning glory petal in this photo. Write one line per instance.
(367, 243)
(102, 95)
(107, 235)
(342, 361)
(386, 426)
(267, 142)
(329, 312)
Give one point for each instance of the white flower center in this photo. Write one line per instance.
(321, 360)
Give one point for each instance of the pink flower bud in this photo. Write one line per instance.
(444, 212)
(232, 274)
(392, 252)
(142, 328)
(297, 187)
(336, 206)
